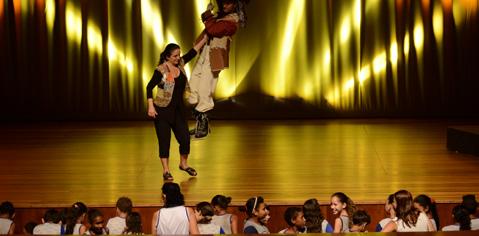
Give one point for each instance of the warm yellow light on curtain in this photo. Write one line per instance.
(469, 5)
(73, 22)
(293, 19)
(438, 22)
(406, 45)
(95, 40)
(364, 74)
(379, 63)
(200, 7)
(393, 52)
(50, 13)
(345, 30)
(419, 36)
(152, 22)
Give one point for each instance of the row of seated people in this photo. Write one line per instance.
(405, 214)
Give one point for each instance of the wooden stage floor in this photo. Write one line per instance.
(287, 162)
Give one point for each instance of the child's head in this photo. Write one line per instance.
(124, 205)
(97, 223)
(172, 195)
(361, 219)
(204, 213)
(266, 218)
(51, 216)
(425, 204)
(256, 208)
(133, 223)
(294, 217)
(28, 227)
(461, 216)
(7, 210)
(341, 202)
(220, 202)
(388, 206)
(470, 203)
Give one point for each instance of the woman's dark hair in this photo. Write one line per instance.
(429, 206)
(29, 226)
(173, 195)
(7, 208)
(133, 223)
(312, 214)
(251, 205)
(470, 203)
(405, 210)
(290, 214)
(221, 201)
(92, 214)
(71, 217)
(52, 215)
(206, 211)
(167, 52)
(461, 216)
(390, 198)
(361, 217)
(81, 207)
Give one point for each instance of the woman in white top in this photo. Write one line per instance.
(409, 218)
(174, 217)
(462, 219)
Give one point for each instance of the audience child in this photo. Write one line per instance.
(227, 221)
(361, 220)
(425, 204)
(344, 208)
(390, 213)
(256, 213)
(294, 217)
(462, 219)
(97, 223)
(51, 224)
(315, 221)
(117, 224)
(173, 217)
(409, 218)
(72, 221)
(204, 213)
(133, 224)
(28, 227)
(470, 203)
(82, 210)
(7, 214)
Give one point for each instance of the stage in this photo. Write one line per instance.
(285, 161)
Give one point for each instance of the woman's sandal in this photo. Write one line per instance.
(189, 170)
(167, 176)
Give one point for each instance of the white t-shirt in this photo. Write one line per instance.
(173, 220)
(451, 228)
(209, 228)
(475, 224)
(116, 225)
(48, 228)
(224, 221)
(421, 224)
(5, 225)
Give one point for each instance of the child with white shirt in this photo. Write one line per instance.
(117, 224)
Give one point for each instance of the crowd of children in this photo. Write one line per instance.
(404, 214)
